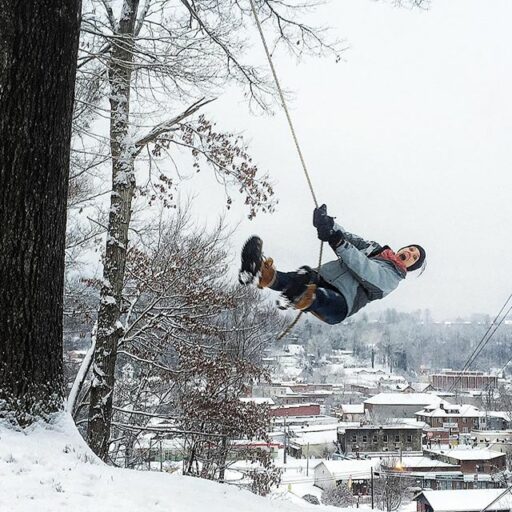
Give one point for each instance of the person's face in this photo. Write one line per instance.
(408, 255)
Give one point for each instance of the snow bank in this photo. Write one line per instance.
(49, 468)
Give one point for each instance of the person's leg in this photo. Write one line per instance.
(282, 280)
(329, 306)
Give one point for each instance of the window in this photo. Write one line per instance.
(385, 438)
(464, 420)
(365, 438)
(375, 440)
(397, 438)
(409, 438)
(354, 438)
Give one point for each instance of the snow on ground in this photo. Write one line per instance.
(49, 468)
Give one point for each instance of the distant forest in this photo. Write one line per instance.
(409, 342)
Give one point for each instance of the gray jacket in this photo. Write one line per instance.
(359, 274)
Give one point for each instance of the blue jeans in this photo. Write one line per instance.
(329, 305)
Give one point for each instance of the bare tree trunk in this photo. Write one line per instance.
(38, 52)
(123, 185)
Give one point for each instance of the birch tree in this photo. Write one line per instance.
(38, 52)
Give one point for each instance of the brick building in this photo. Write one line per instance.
(296, 410)
(472, 461)
(453, 418)
(468, 380)
(393, 438)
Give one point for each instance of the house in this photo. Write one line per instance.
(398, 405)
(473, 500)
(318, 441)
(351, 412)
(422, 387)
(477, 461)
(380, 439)
(454, 418)
(496, 420)
(428, 473)
(495, 440)
(330, 473)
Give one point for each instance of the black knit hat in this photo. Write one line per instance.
(420, 261)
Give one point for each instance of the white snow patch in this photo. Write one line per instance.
(49, 468)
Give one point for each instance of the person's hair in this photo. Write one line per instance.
(420, 261)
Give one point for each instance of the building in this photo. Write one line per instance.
(351, 412)
(305, 409)
(495, 440)
(462, 501)
(453, 418)
(380, 439)
(330, 473)
(496, 420)
(448, 380)
(398, 405)
(318, 441)
(422, 387)
(427, 473)
(477, 461)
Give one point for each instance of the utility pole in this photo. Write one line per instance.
(371, 480)
(285, 441)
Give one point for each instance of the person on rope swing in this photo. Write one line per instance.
(364, 271)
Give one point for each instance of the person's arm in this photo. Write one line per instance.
(377, 277)
(367, 246)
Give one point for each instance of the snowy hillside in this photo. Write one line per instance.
(52, 469)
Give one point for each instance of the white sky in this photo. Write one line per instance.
(408, 139)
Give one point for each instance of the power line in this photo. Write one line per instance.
(507, 490)
(484, 340)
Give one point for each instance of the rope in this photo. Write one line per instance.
(283, 101)
(295, 140)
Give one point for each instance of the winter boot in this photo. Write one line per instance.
(301, 292)
(255, 265)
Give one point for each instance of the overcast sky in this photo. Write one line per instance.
(408, 139)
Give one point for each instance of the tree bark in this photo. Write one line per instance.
(38, 53)
(123, 186)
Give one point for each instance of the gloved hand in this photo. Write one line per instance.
(323, 223)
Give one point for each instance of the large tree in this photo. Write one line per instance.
(38, 53)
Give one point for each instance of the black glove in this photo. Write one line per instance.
(323, 223)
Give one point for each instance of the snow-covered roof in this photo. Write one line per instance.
(258, 400)
(420, 386)
(466, 500)
(452, 411)
(403, 399)
(419, 462)
(499, 414)
(290, 406)
(322, 437)
(469, 454)
(299, 429)
(351, 468)
(353, 408)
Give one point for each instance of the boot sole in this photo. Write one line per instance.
(252, 257)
